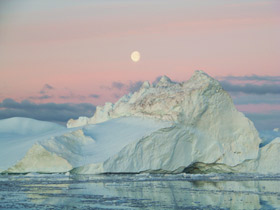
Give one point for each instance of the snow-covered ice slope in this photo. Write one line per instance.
(58, 149)
(20, 126)
(111, 136)
(17, 135)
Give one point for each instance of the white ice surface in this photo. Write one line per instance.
(25, 127)
(111, 136)
(94, 143)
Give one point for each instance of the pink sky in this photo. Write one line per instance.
(80, 47)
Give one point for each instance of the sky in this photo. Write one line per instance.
(60, 59)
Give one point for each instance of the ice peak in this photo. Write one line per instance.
(201, 75)
(164, 82)
(145, 85)
(200, 78)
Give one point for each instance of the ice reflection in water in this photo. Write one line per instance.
(140, 192)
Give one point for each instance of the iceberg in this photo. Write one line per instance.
(167, 127)
(208, 133)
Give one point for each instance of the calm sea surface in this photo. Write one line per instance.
(145, 191)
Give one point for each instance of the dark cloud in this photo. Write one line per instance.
(47, 111)
(251, 88)
(43, 93)
(249, 93)
(240, 99)
(116, 95)
(265, 121)
(40, 97)
(252, 78)
(134, 86)
(105, 87)
(118, 85)
(72, 96)
(46, 88)
(130, 87)
(94, 96)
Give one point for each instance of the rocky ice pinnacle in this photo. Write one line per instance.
(164, 100)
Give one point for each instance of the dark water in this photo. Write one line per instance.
(140, 192)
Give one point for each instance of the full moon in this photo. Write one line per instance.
(135, 56)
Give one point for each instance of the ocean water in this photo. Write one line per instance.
(141, 191)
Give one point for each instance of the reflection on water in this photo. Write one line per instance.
(140, 192)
